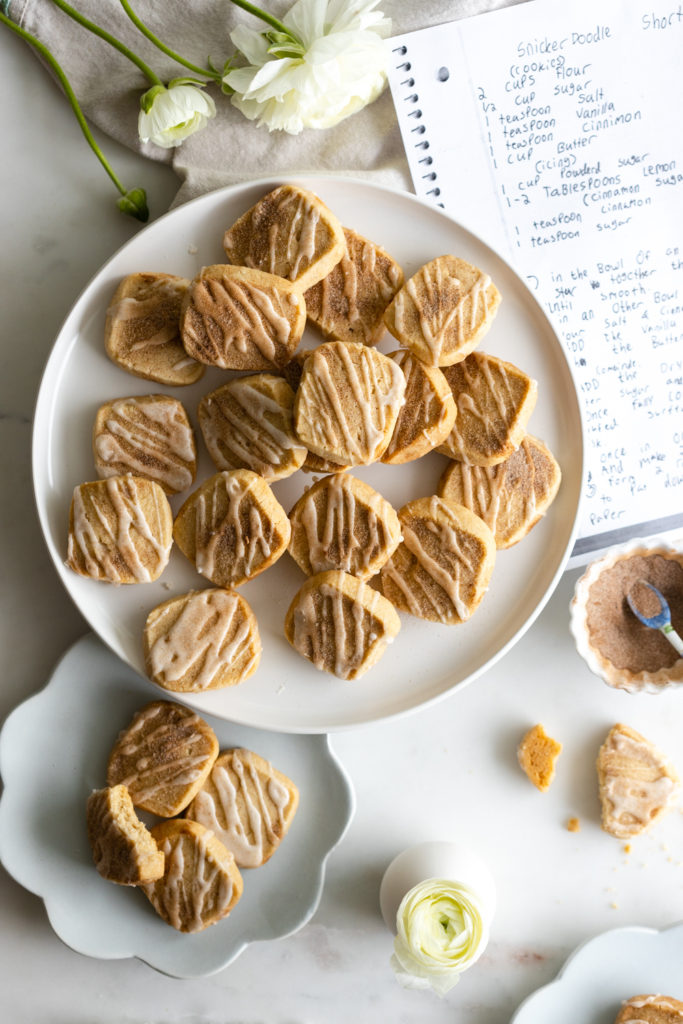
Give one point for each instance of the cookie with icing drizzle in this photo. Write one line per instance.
(348, 402)
(289, 232)
(443, 311)
(349, 304)
(119, 530)
(247, 804)
(427, 415)
(163, 757)
(248, 423)
(204, 640)
(142, 332)
(637, 782)
(293, 372)
(232, 527)
(494, 400)
(512, 496)
(340, 624)
(651, 1009)
(201, 884)
(238, 318)
(343, 523)
(150, 437)
(123, 849)
(442, 568)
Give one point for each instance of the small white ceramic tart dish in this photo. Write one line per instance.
(602, 624)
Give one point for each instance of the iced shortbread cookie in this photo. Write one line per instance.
(150, 437)
(349, 304)
(651, 1009)
(511, 496)
(203, 640)
(123, 850)
(201, 884)
(637, 782)
(292, 373)
(289, 232)
(142, 331)
(232, 528)
(163, 757)
(443, 311)
(343, 523)
(427, 414)
(248, 423)
(348, 402)
(537, 754)
(119, 530)
(241, 319)
(494, 401)
(247, 804)
(442, 569)
(340, 624)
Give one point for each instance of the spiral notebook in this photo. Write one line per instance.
(552, 130)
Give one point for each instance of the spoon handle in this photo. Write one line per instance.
(673, 637)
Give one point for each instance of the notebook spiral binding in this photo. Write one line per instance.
(422, 143)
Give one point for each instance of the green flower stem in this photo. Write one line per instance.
(70, 95)
(108, 38)
(205, 72)
(279, 26)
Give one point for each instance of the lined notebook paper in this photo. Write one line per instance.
(553, 130)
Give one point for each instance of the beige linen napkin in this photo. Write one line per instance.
(230, 148)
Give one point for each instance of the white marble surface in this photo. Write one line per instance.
(445, 772)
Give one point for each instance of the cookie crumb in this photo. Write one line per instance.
(537, 754)
(627, 847)
(192, 250)
(573, 825)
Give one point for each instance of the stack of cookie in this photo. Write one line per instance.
(327, 409)
(221, 812)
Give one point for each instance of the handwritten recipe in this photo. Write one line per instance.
(553, 131)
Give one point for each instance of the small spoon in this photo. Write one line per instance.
(660, 621)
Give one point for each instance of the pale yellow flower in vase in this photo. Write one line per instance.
(328, 61)
(439, 899)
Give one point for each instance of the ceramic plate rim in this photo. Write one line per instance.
(44, 411)
(582, 954)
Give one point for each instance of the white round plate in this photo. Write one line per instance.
(603, 972)
(426, 661)
(53, 753)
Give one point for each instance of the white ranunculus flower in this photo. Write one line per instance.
(169, 115)
(441, 932)
(339, 67)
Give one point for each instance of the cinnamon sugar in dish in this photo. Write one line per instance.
(616, 645)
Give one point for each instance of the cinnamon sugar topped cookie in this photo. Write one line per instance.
(348, 402)
(427, 415)
(201, 884)
(248, 423)
(232, 527)
(349, 304)
(248, 804)
(162, 757)
(343, 523)
(442, 569)
(511, 496)
(495, 400)
(142, 331)
(340, 624)
(150, 437)
(237, 318)
(651, 1009)
(119, 530)
(203, 640)
(288, 232)
(444, 310)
